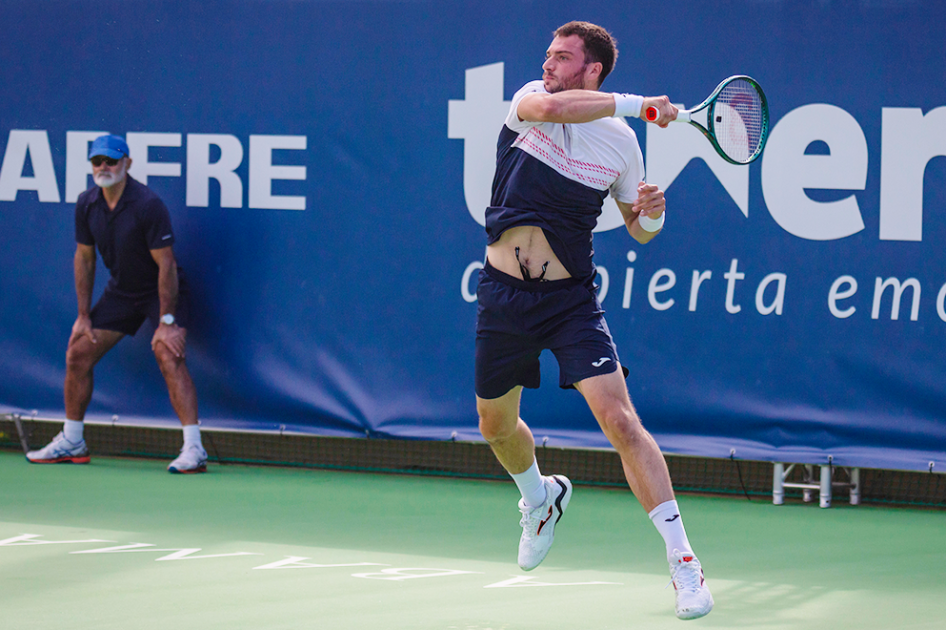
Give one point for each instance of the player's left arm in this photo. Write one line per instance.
(650, 203)
(172, 336)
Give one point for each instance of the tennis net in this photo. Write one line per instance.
(752, 479)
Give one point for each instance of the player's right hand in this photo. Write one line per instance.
(82, 328)
(667, 111)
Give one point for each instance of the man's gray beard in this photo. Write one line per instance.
(107, 180)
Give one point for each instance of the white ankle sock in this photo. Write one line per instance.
(192, 435)
(666, 518)
(531, 485)
(72, 430)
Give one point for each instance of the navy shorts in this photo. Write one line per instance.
(124, 314)
(518, 319)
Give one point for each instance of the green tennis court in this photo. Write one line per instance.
(122, 544)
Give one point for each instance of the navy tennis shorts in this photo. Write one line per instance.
(124, 314)
(518, 319)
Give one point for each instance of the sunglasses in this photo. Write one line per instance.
(98, 160)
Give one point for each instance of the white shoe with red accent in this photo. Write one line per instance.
(694, 599)
(193, 459)
(61, 451)
(538, 524)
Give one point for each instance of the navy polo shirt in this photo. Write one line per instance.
(126, 235)
(556, 176)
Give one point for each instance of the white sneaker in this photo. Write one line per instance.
(193, 459)
(61, 450)
(538, 524)
(694, 599)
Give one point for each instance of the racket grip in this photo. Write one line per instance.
(651, 114)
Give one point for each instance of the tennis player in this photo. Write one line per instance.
(564, 147)
(131, 227)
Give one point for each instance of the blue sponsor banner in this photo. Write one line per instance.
(327, 166)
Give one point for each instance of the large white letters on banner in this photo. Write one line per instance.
(787, 171)
(200, 170)
(263, 172)
(910, 140)
(35, 144)
(30, 150)
(139, 144)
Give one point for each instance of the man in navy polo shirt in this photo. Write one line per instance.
(131, 227)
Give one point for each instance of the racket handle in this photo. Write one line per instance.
(651, 114)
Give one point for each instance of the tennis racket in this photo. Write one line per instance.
(737, 119)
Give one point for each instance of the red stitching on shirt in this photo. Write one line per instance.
(562, 161)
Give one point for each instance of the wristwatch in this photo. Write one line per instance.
(167, 319)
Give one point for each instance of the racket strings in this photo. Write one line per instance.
(738, 120)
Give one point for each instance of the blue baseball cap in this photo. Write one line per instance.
(109, 146)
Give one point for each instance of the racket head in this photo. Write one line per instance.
(738, 119)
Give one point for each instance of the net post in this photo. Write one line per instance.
(855, 486)
(825, 490)
(778, 480)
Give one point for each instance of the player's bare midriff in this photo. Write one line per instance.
(524, 252)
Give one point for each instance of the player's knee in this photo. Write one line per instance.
(623, 424)
(166, 359)
(495, 426)
(488, 429)
(78, 358)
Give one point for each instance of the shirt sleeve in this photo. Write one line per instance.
(158, 232)
(83, 233)
(512, 119)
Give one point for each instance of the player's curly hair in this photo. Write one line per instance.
(600, 45)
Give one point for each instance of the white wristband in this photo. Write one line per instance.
(651, 225)
(627, 105)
